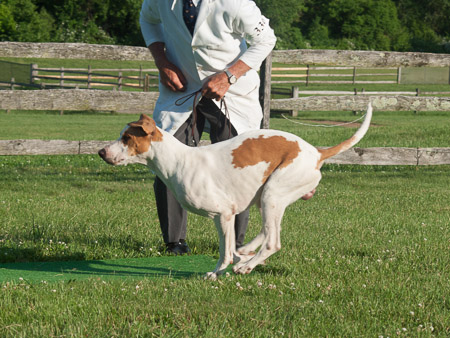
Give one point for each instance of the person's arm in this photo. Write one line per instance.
(170, 75)
(250, 23)
(217, 85)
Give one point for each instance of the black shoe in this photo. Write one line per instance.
(184, 246)
(177, 248)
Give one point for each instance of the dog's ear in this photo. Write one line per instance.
(145, 123)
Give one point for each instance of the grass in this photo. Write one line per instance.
(405, 129)
(367, 256)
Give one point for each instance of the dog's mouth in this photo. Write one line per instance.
(104, 155)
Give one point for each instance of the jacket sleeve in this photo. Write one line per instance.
(150, 22)
(254, 27)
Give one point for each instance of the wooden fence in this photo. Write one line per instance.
(299, 57)
(134, 102)
(362, 156)
(143, 101)
(336, 75)
(142, 78)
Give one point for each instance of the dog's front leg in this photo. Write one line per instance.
(227, 244)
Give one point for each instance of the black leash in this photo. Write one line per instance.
(182, 100)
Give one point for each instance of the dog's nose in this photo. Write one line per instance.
(102, 153)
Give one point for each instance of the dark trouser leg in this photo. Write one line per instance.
(172, 217)
(221, 130)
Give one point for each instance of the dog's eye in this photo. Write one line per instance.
(125, 138)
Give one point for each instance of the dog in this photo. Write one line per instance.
(269, 168)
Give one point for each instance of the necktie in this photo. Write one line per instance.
(190, 13)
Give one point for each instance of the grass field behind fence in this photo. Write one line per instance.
(389, 129)
(368, 256)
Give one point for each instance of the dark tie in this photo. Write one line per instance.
(190, 13)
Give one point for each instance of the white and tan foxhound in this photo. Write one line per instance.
(269, 168)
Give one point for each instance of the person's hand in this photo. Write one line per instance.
(172, 77)
(216, 86)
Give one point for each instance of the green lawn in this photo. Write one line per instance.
(367, 256)
(389, 129)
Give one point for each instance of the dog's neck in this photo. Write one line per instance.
(169, 157)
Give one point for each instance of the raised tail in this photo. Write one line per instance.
(341, 147)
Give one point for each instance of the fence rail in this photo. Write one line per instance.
(132, 102)
(94, 77)
(299, 57)
(315, 75)
(78, 100)
(363, 156)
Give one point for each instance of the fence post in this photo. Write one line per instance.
(13, 80)
(354, 75)
(146, 82)
(417, 94)
(89, 77)
(307, 75)
(356, 93)
(119, 81)
(61, 78)
(264, 90)
(399, 75)
(140, 75)
(294, 96)
(33, 72)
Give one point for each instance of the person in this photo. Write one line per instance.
(207, 79)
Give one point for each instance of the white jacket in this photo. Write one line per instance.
(219, 40)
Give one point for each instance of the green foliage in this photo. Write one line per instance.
(284, 16)
(7, 23)
(362, 24)
(20, 20)
(400, 25)
(428, 23)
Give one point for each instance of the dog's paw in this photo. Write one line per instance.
(242, 269)
(211, 276)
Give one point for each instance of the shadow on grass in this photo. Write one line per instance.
(178, 267)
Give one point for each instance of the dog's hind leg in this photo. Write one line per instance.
(248, 250)
(272, 213)
(227, 244)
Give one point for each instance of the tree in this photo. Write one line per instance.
(123, 22)
(7, 23)
(284, 17)
(427, 22)
(359, 24)
(21, 21)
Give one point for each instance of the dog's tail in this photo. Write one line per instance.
(341, 147)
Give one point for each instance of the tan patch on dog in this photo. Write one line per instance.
(137, 141)
(332, 151)
(140, 135)
(275, 150)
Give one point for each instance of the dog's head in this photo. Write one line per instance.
(133, 144)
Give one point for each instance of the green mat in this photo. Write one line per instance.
(137, 268)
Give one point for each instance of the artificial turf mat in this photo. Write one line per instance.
(137, 268)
